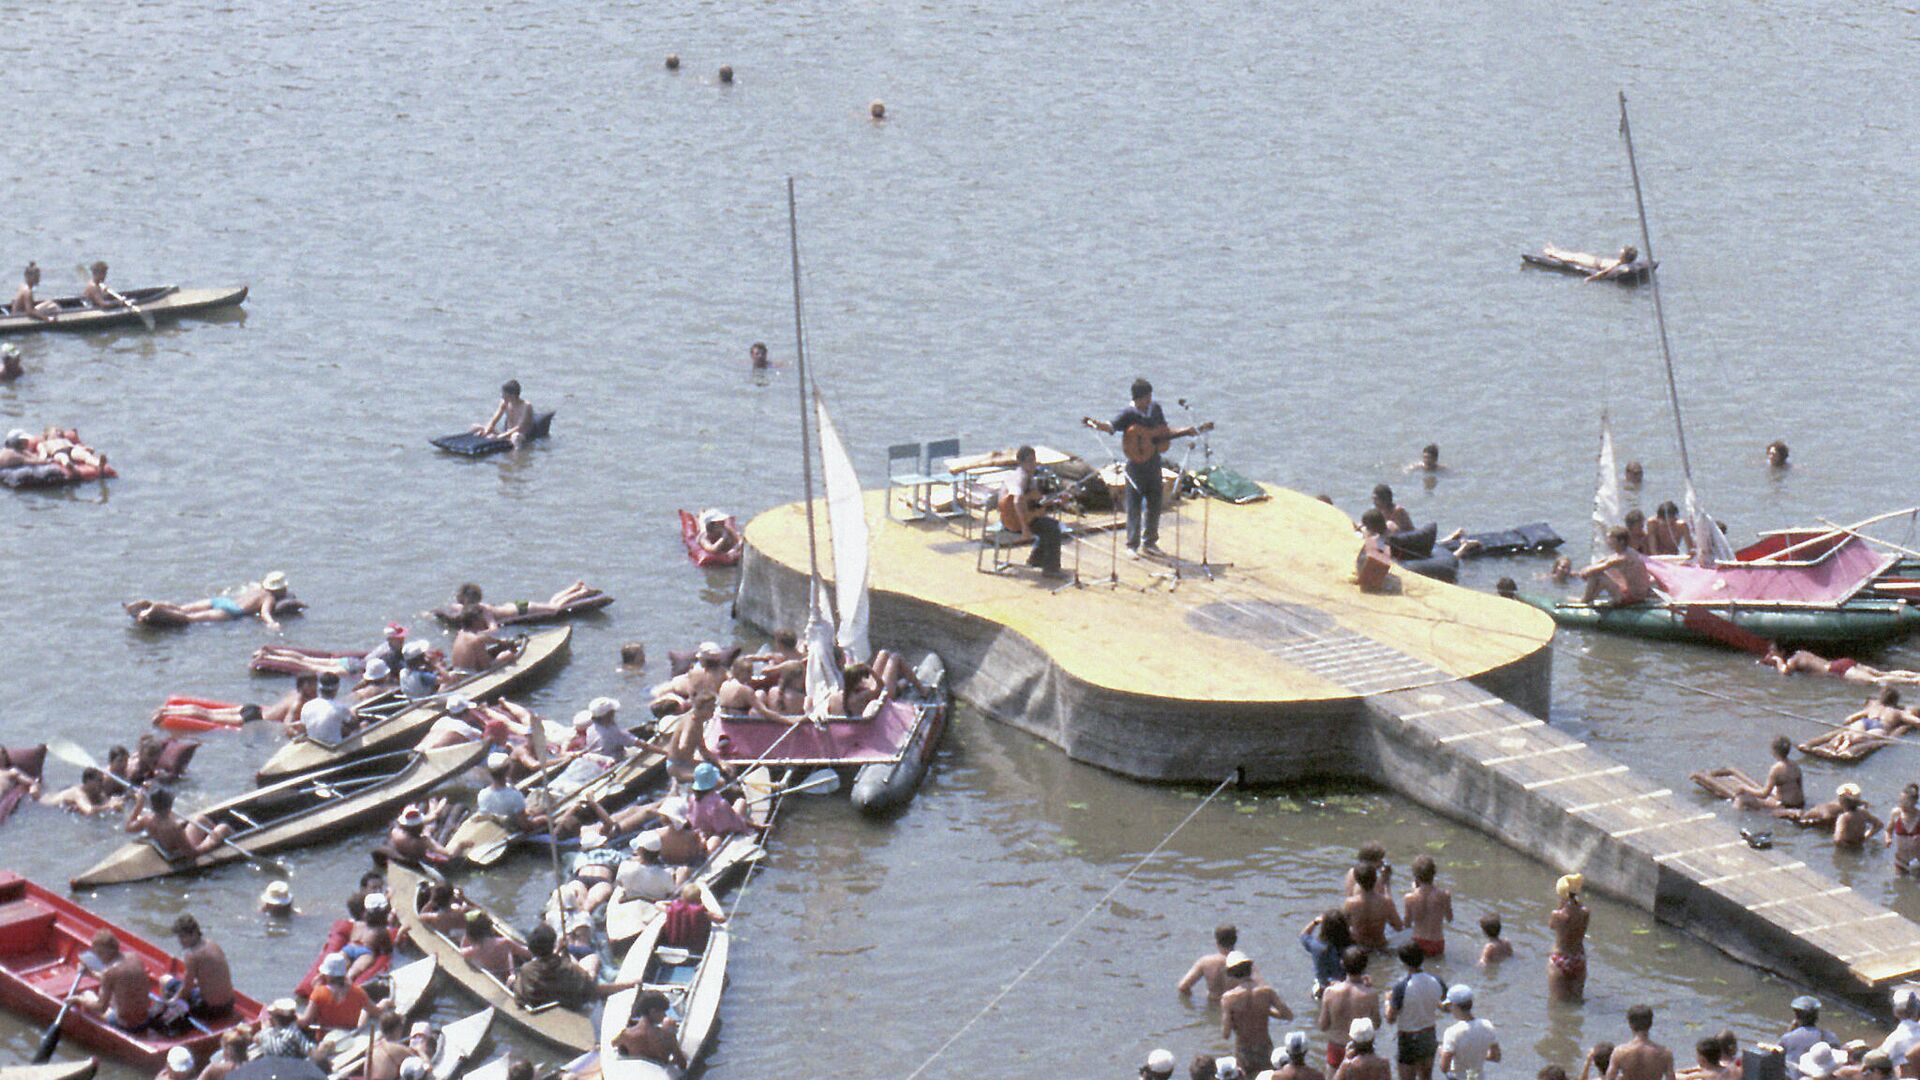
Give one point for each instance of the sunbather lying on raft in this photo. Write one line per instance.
(259, 600)
(1879, 722)
(469, 596)
(1802, 662)
(224, 715)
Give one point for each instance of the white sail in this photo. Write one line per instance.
(847, 523)
(1709, 543)
(1606, 494)
(823, 669)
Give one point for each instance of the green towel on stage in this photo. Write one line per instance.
(1223, 483)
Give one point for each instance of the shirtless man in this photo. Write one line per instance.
(513, 416)
(650, 1034)
(258, 599)
(785, 702)
(121, 998)
(736, 694)
(1802, 662)
(206, 982)
(1369, 913)
(1855, 824)
(390, 1049)
(1245, 1011)
(1429, 461)
(179, 839)
(470, 595)
(1373, 854)
(1777, 454)
(1636, 526)
(408, 838)
(94, 794)
(24, 302)
(1567, 965)
(1621, 575)
(1361, 1062)
(1667, 534)
(488, 950)
(1880, 721)
(474, 647)
(1708, 1064)
(1497, 948)
(10, 368)
(1290, 1061)
(717, 536)
(1350, 1000)
(1212, 968)
(1784, 787)
(1429, 909)
(1640, 1058)
(96, 293)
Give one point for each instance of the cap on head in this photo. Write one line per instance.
(395, 630)
(603, 706)
(283, 1007)
(1238, 963)
(1805, 1003)
(1360, 1031)
(334, 966)
(180, 1060)
(648, 841)
(1227, 1068)
(1294, 1046)
(1161, 1062)
(1461, 995)
(1569, 886)
(414, 650)
(374, 901)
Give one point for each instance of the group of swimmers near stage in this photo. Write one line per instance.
(1442, 1024)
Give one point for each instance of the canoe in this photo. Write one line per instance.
(1579, 262)
(560, 1026)
(42, 939)
(629, 916)
(701, 557)
(58, 1070)
(458, 1042)
(1856, 622)
(484, 838)
(300, 810)
(467, 444)
(406, 989)
(692, 985)
(407, 726)
(161, 302)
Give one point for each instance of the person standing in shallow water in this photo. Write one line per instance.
(1212, 968)
(1567, 965)
(1640, 1058)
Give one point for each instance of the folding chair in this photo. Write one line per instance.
(939, 453)
(906, 467)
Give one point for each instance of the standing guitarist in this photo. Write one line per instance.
(1024, 510)
(1143, 435)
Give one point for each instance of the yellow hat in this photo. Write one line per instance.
(1570, 885)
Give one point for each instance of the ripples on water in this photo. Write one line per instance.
(1306, 222)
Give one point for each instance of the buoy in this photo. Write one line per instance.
(726, 73)
(877, 110)
(673, 61)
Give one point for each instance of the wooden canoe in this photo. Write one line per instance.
(300, 810)
(407, 726)
(562, 1027)
(458, 1043)
(483, 838)
(58, 1070)
(629, 916)
(692, 985)
(408, 986)
(42, 938)
(161, 302)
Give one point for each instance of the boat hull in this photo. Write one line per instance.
(58, 1070)
(164, 302)
(878, 789)
(693, 999)
(1854, 623)
(543, 652)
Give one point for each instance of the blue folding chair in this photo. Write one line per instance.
(906, 468)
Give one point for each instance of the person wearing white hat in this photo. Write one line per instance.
(604, 734)
(1245, 1010)
(326, 719)
(260, 599)
(179, 1064)
(1227, 1068)
(642, 875)
(277, 899)
(719, 536)
(1290, 1060)
(373, 677)
(409, 839)
(1906, 1033)
(1469, 1042)
(336, 1004)
(1158, 1066)
(1361, 1063)
(281, 1035)
(419, 675)
(1819, 1062)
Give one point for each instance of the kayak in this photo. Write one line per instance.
(45, 941)
(161, 302)
(299, 810)
(1856, 622)
(629, 916)
(409, 721)
(691, 982)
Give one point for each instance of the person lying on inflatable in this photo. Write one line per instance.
(718, 534)
(258, 599)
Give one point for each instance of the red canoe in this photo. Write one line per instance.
(41, 938)
(690, 536)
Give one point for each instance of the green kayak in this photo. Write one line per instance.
(1857, 622)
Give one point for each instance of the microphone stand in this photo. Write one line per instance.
(1113, 578)
(1206, 499)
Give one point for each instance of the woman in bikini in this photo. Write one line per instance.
(1879, 722)
(1903, 831)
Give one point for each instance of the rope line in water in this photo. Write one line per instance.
(1071, 930)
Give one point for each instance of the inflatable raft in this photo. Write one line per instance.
(700, 556)
(467, 444)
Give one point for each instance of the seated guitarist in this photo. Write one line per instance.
(1023, 510)
(1143, 447)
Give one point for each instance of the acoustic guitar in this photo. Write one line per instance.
(1010, 522)
(1140, 442)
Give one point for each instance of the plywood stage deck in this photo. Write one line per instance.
(1280, 668)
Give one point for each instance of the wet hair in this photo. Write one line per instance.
(1506, 587)
(468, 593)
(1490, 925)
(1141, 388)
(1708, 1049)
(1226, 935)
(1335, 931)
(1782, 747)
(91, 775)
(541, 940)
(472, 618)
(633, 653)
(758, 348)
(1430, 450)
(1889, 696)
(1353, 960)
(510, 388)
(1777, 444)
(651, 1003)
(186, 926)
(1025, 453)
(1640, 1019)
(1602, 1055)
(1373, 520)
(161, 801)
(1412, 955)
(1423, 869)
(1382, 493)
(1366, 875)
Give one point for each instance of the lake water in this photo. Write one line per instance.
(1305, 221)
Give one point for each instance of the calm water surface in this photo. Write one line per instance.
(1304, 221)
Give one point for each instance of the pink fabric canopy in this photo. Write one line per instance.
(837, 742)
(1837, 575)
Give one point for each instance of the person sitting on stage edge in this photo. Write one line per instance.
(1621, 575)
(1144, 484)
(1024, 511)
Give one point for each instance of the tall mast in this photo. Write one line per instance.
(1653, 279)
(800, 361)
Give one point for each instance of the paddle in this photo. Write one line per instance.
(74, 754)
(50, 1040)
(146, 319)
(824, 781)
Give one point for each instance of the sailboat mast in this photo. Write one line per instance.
(1653, 280)
(800, 362)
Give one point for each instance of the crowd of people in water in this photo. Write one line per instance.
(1374, 960)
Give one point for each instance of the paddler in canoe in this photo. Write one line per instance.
(259, 600)
(25, 303)
(179, 839)
(97, 294)
(512, 418)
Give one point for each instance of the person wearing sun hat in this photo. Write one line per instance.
(604, 734)
(258, 599)
(281, 1036)
(180, 1065)
(1901, 1043)
(409, 840)
(1819, 1062)
(1361, 1035)
(1158, 1066)
(277, 899)
(1567, 964)
(711, 814)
